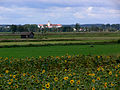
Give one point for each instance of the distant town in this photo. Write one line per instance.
(60, 28)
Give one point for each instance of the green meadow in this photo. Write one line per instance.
(59, 50)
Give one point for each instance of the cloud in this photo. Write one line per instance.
(59, 11)
(89, 9)
(79, 15)
(61, 3)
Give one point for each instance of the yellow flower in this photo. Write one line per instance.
(69, 56)
(93, 80)
(28, 73)
(47, 85)
(116, 75)
(9, 83)
(102, 69)
(89, 74)
(0, 57)
(78, 82)
(10, 75)
(108, 56)
(93, 74)
(11, 80)
(93, 88)
(73, 73)
(56, 79)
(65, 70)
(71, 81)
(6, 58)
(10, 62)
(98, 69)
(77, 88)
(112, 84)
(32, 76)
(7, 71)
(98, 78)
(115, 67)
(16, 86)
(110, 73)
(43, 71)
(118, 65)
(70, 74)
(57, 57)
(65, 61)
(98, 56)
(69, 70)
(14, 76)
(24, 74)
(105, 86)
(105, 83)
(1, 75)
(40, 57)
(43, 88)
(65, 78)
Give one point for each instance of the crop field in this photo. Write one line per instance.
(52, 42)
(62, 35)
(76, 72)
(60, 61)
(59, 50)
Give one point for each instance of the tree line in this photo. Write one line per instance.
(66, 28)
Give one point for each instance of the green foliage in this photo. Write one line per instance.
(85, 72)
(77, 26)
(13, 28)
(119, 41)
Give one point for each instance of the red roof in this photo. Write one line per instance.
(51, 24)
(55, 25)
(40, 24)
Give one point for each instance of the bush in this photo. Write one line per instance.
(119, 41)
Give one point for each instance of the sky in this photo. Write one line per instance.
(59, 11)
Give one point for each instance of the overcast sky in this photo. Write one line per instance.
(59, 11)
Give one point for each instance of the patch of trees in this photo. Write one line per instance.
(24, 28)
(66, 28)
(4, 29)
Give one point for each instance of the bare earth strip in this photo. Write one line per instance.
(57, 39)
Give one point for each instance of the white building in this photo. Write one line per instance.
(49, 25)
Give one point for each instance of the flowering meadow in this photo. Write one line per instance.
(77, 72)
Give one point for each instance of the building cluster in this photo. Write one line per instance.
(49, 25)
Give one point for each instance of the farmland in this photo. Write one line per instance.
(62, 35)
(63, 38)
(58, 44)
(77, 72)
(59, 50)
(64, 61)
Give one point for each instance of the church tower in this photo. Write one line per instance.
(48, 23)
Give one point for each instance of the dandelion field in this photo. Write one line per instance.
(77, 72)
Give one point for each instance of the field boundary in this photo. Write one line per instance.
(59, 39)
(50, 44)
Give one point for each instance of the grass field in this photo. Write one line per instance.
(63, 35)
(52, 42)
(60, 38)
(113, 49)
